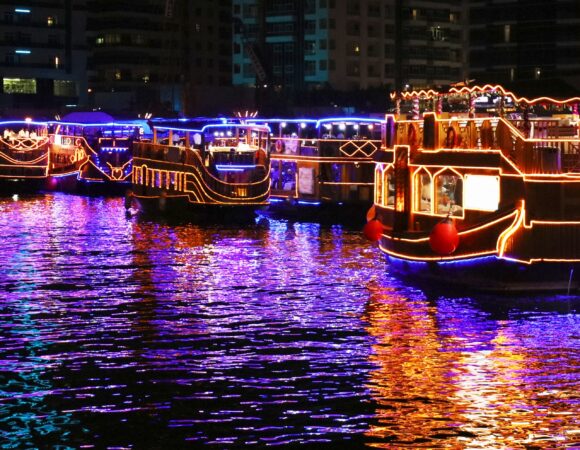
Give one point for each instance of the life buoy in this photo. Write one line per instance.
(279, 146)
(451, 137)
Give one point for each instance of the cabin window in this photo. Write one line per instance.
(19, 85)
(481, 192)
(172, 181)
(449, 194)
(378, 186)
(423, 191)
(389, 187)
(288, 176)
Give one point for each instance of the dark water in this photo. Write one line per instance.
(126, 333)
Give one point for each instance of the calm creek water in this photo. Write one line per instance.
(123, 333)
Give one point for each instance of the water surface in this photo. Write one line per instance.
(124, 332)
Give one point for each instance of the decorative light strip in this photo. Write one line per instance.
(307, 202)
(503, 91)
(233, 167)
(114, 149)
(435, 258)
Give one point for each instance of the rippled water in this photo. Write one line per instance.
(120, 332)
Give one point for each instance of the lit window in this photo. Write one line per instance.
(100, 40)
(448, 194)
(378, 186)
(65, 88)
(113, 38)
(507, 33)
(56, 62)
(19, 85)
(117, 75)
(51, 21)
(537, 73)
(481, 192)
(423, 192)
(389, 187)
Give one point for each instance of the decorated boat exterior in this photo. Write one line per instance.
(481, 200)
(68, 154)
(323, 169)
(220, 170)
(24, 155)
(107, 144)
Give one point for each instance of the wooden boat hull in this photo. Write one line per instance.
(492, 274)
(317, 211)
(181, 207)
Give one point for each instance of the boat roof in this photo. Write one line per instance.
(531, 91)
(88, 117)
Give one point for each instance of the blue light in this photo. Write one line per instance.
(233, 167)
(114, 149)
(305, 202)
(462, 262)
(22, 52)
(349, 119)
(22, 10)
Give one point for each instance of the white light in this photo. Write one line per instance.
(22, 10)
(302, 125)
(481, 192)
(283, 124)
(22, 52)
(15, 197)
(342, 126)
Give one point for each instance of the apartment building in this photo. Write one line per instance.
(43, 62)
(347, 45)
(515, 40)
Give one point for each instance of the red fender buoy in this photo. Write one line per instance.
(444, 238)
(373, 230)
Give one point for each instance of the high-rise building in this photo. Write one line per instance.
(207, 65)
(349, 45)
(160, 56)
(515, 40)
(43, 65)
(135, 55)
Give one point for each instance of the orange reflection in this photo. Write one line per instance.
(449, 377)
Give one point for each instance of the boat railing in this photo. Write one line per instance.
(545, 153)
(326, 147)
(542, 128)
(198, 163)
(24, 149)
(548, 155)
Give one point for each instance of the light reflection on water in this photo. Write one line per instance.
(122, 332)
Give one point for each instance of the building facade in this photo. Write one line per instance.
(515, 40)
(43, 65)
(349, 45)
(135, 55)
